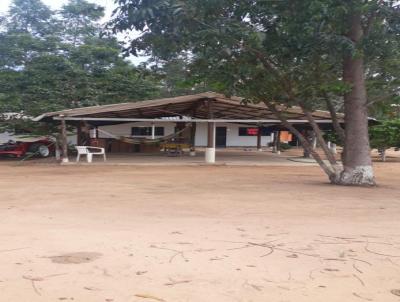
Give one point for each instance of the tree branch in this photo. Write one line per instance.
(335, 120)
(306, 145)
(371, 19)
(331, 158)
(263, 58)
(381, 98)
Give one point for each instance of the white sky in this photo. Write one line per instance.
(56, 4)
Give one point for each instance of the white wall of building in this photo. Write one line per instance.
(232, 134)
(126, 129)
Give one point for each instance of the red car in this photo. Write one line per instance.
(42, 148)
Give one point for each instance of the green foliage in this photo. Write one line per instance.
(385, 135)
(78, 19)
(177, 77)
(331, 136)
(286, 51)
(56, 60)
(30, 16)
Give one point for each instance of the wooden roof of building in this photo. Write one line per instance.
(192, 106)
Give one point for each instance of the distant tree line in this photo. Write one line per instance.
(52, 60)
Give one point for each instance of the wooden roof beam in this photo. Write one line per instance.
(209, 120)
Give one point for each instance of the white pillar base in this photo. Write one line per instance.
(210, 155)
(65, 160)
(259, 150)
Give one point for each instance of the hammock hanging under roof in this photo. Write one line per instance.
(137, 141)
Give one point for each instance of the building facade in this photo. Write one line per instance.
(226, 134)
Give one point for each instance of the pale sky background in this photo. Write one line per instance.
(56, 4)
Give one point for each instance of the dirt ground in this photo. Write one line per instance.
(125, 233)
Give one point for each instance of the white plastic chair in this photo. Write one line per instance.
(89, 152)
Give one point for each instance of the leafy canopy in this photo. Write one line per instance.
(53, 60)
(288, 51)
(386, 135)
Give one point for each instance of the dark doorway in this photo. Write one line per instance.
(220, 137)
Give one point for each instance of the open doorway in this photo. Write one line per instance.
(220, 139)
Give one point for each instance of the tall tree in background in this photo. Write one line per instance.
(30, 17)
(313, 54)
(178, 78)
(79, 20)
(53, 60)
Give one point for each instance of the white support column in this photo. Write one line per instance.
(153, 131)
(210, 150)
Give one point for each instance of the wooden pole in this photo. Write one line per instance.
(86, 133)
(277, 141)
(198, 120)
(211, 126)
(210, 150)
(79, 134)
(193, 135)
(211, 135)
(64, 140)
(83, 136)
(259, 133)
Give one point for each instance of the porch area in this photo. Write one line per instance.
(200, 123)
(224, 156)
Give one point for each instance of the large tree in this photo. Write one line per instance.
(79, 20)
(309, 53)
(53, 60)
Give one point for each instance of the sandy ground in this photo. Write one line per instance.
(104, 233)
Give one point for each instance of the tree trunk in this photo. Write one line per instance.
(357, 163)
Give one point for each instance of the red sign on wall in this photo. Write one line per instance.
(252, 131)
